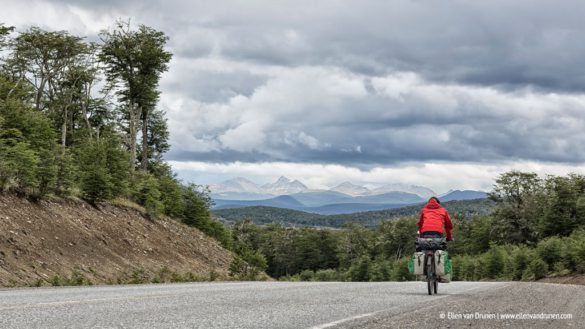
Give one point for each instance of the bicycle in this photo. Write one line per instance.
(429, 246)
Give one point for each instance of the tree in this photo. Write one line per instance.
(396, 238)
(519, 206)
(354, 243)
(197, 203)
(18, 163)
(42, 58)
(563, 198)
(27, 147)
(157, 140)
(134, 62)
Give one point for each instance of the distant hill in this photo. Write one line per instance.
(287, 217)
(319, 198)
(244, 196)
(349, 208)
(394, 198)
(462, 195)
(283, 201)
(327, 202)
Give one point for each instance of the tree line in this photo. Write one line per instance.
(537, 229)
(81, 119)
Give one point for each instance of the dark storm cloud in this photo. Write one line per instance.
(501, 43)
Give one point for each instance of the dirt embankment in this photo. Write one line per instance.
(567, 279)
(54, 241)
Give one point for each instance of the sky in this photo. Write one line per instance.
(445, 94)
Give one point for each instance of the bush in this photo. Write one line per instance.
(537, 269)
(576, 251)
(307, 275)
(550, 250)
(18, 166)
(96, 185)
(493, 260)
(327, 275)
(381, 271)
(463, 268)
(360, 270)
(147, 194)
(520, 257)
(400, 271)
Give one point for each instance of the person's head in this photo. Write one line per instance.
(436, 199)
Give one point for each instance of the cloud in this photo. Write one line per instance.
(328, 115)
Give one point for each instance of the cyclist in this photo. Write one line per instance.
(434, 221)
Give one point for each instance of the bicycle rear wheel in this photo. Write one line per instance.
(430, 284)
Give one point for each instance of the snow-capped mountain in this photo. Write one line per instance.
(284, 186)
(238, 184)
(351, 189)
(244, 189)
(423, 192)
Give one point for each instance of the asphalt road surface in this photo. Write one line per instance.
(292, 305)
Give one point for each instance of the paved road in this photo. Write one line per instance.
(248, 305)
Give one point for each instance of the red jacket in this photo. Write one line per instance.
(435, 218)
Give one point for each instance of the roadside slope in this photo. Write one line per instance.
(108, 244)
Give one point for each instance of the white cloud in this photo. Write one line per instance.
(402, 117)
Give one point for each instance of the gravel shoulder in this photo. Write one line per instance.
(486, 309)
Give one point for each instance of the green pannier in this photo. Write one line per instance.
(443, 265)
(416, 263)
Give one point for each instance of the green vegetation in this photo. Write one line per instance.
(61, 136)
(261, 215)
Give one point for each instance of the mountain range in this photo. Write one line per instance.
(344, 198)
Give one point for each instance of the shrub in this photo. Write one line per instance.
(360, 270)
(400, 271)
(576, 252)
(520, 257)
(381, 271)
(307, 275)
(494, 262)
(326, 275)
(537, 269)
(550, 250)
(96, 185)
